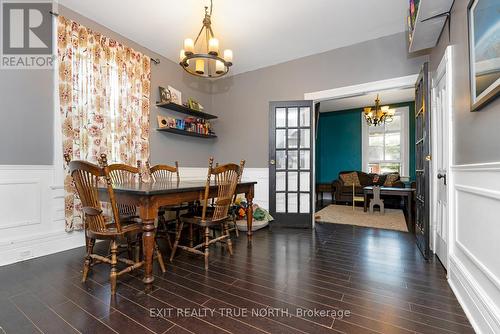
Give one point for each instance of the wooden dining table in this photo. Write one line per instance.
(150, 196)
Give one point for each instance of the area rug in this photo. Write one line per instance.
(393, 219)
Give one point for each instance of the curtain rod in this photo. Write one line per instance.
(154, 60)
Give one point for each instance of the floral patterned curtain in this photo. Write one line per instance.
(104, 90)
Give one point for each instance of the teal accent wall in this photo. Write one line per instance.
(339, 145)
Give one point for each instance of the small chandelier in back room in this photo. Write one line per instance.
(202, 57)
(378, 115)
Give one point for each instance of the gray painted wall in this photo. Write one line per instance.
(242, 101)
(26, 108)
(26, 112)
(165, 147)
(477, 134)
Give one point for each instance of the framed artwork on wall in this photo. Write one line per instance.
(175, 95)
(484, 51)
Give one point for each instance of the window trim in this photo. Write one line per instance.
(405, 142)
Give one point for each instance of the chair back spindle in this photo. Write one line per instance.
(226, 179)
(87, 177)
(165, 173)
(123, 174)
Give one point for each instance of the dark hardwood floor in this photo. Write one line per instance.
(376, 278)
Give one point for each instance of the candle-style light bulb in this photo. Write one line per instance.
(228, 56)
(219, 67)
(213, 46)
(188, 46)
(200, 66)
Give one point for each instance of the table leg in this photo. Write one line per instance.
(365, 202)
(148, 244)
(409, 207)
(249, 198)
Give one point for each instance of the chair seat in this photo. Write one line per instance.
(130, 226)
(195, 218)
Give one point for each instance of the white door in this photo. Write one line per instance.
(441, 158)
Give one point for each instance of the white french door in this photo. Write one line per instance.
(441, 129)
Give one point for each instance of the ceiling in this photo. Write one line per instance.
(260, 32)
(386, 97)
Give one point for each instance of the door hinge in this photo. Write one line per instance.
(428, 157)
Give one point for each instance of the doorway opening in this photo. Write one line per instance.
(351, 157)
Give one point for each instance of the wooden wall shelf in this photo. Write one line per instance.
(428, 24)
(185, 110)
(186, 133)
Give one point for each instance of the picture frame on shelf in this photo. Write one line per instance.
(484, 51)
(175, 95)
(195, 105)
(165, 95)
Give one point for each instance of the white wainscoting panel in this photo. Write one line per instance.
(260, 175)
(32, 220)
(475, 243)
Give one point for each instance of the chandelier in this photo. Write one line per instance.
(202, 57)
(379, 115)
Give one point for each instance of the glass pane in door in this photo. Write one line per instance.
(305, 115)
(292, 181)
(281, 181)
(293, 138)
(292, 203)
(305, 138)
(293, 117)
(280, 202)
(304, 203)
(280, 159)
(280, 117)
(305, 159)
(280, 138)
(293, 159)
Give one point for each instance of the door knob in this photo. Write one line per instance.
(272, 162)
(442, 176)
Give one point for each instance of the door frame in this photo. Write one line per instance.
(444, 69)
(352, 91)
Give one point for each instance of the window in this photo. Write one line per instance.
(385, 147)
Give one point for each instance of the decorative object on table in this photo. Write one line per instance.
(376, 200)
(165, 95)
(484, 51)
(144, 171)
(378, 115)
(261, 217)
(201, 57)
(175, 95)
(195, 105)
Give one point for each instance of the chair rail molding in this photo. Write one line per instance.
(474, 272)
(33, 223)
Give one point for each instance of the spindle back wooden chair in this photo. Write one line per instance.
(225, 180)
(165, 173)
(123, 174)
(87, 178)
(120, 174)
(168, 174)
